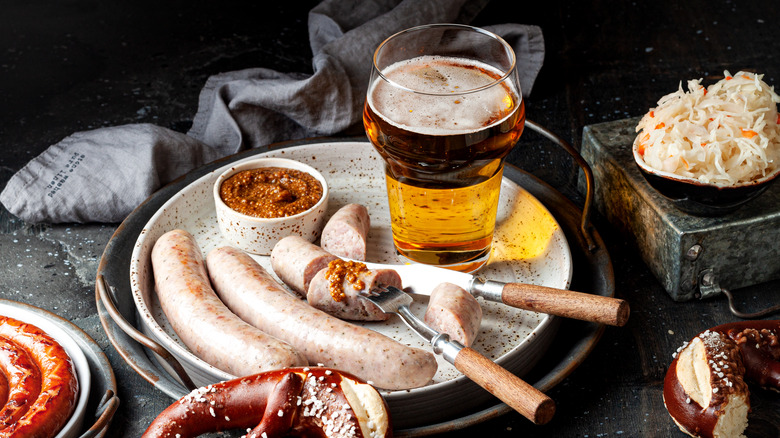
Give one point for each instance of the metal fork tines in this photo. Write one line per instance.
(393, 300)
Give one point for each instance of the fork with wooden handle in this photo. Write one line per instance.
(515, 392)
(422, 279)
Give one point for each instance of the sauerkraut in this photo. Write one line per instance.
(726, 134)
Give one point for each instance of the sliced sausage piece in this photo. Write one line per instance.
(202, 321)
(296, 261)
(454, 311)
(23, 382)
(346, 232)
(335, 293)
(255, 295)
(56, 400)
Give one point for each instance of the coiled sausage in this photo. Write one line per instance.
(23, 382)
(59, 384)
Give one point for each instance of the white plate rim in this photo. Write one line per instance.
(181, 351)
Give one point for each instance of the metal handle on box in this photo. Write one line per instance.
(589, 184)
(108, 301)
(709, 287)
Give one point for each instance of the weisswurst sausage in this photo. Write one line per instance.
(346, 232)
(202, 321)
(251, 292)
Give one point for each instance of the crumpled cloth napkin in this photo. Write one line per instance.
(103, 174)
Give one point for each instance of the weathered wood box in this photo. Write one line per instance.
(736, 250)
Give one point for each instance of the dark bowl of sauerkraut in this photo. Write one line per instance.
(711, 150)
(701, 199)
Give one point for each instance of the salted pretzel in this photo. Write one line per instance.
(306, 402)
(706, 387)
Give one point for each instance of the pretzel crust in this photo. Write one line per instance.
(303, 401)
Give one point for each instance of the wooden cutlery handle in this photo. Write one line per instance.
(515, 392)
(570, 304)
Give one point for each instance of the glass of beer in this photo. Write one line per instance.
(443, 109)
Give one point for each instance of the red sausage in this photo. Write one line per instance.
(23, 379)
(454, 311)
(202, 321)
(3, 389)
(59, 384)
(346, 232)
(296, 261)
(351, 306)
(256, 297)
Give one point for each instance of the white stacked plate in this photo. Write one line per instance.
(529, 247)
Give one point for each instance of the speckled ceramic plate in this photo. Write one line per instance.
(529, 247)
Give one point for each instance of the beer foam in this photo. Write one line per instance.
(447, 98)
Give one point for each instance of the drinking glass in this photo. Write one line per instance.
(443, 109)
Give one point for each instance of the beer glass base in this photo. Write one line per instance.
(468, 263)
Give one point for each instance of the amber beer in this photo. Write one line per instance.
(443, 126)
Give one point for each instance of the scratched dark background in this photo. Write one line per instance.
(74, 65)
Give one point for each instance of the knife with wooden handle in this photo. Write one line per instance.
(422, 279)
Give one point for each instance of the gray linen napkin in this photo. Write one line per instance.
(102, 175)
(256, 107)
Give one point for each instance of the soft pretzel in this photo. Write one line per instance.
(759, 343)
(705, 389)
(306, 402)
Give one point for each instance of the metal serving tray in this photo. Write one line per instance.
(592, 273)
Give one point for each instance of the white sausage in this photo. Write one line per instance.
(296, 261)
(255, 296)
(454, 311)
(202, 321)
(351, 307)
(346, 232)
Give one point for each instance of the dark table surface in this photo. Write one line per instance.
(78, 65)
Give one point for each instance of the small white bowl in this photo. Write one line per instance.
(259, 235)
